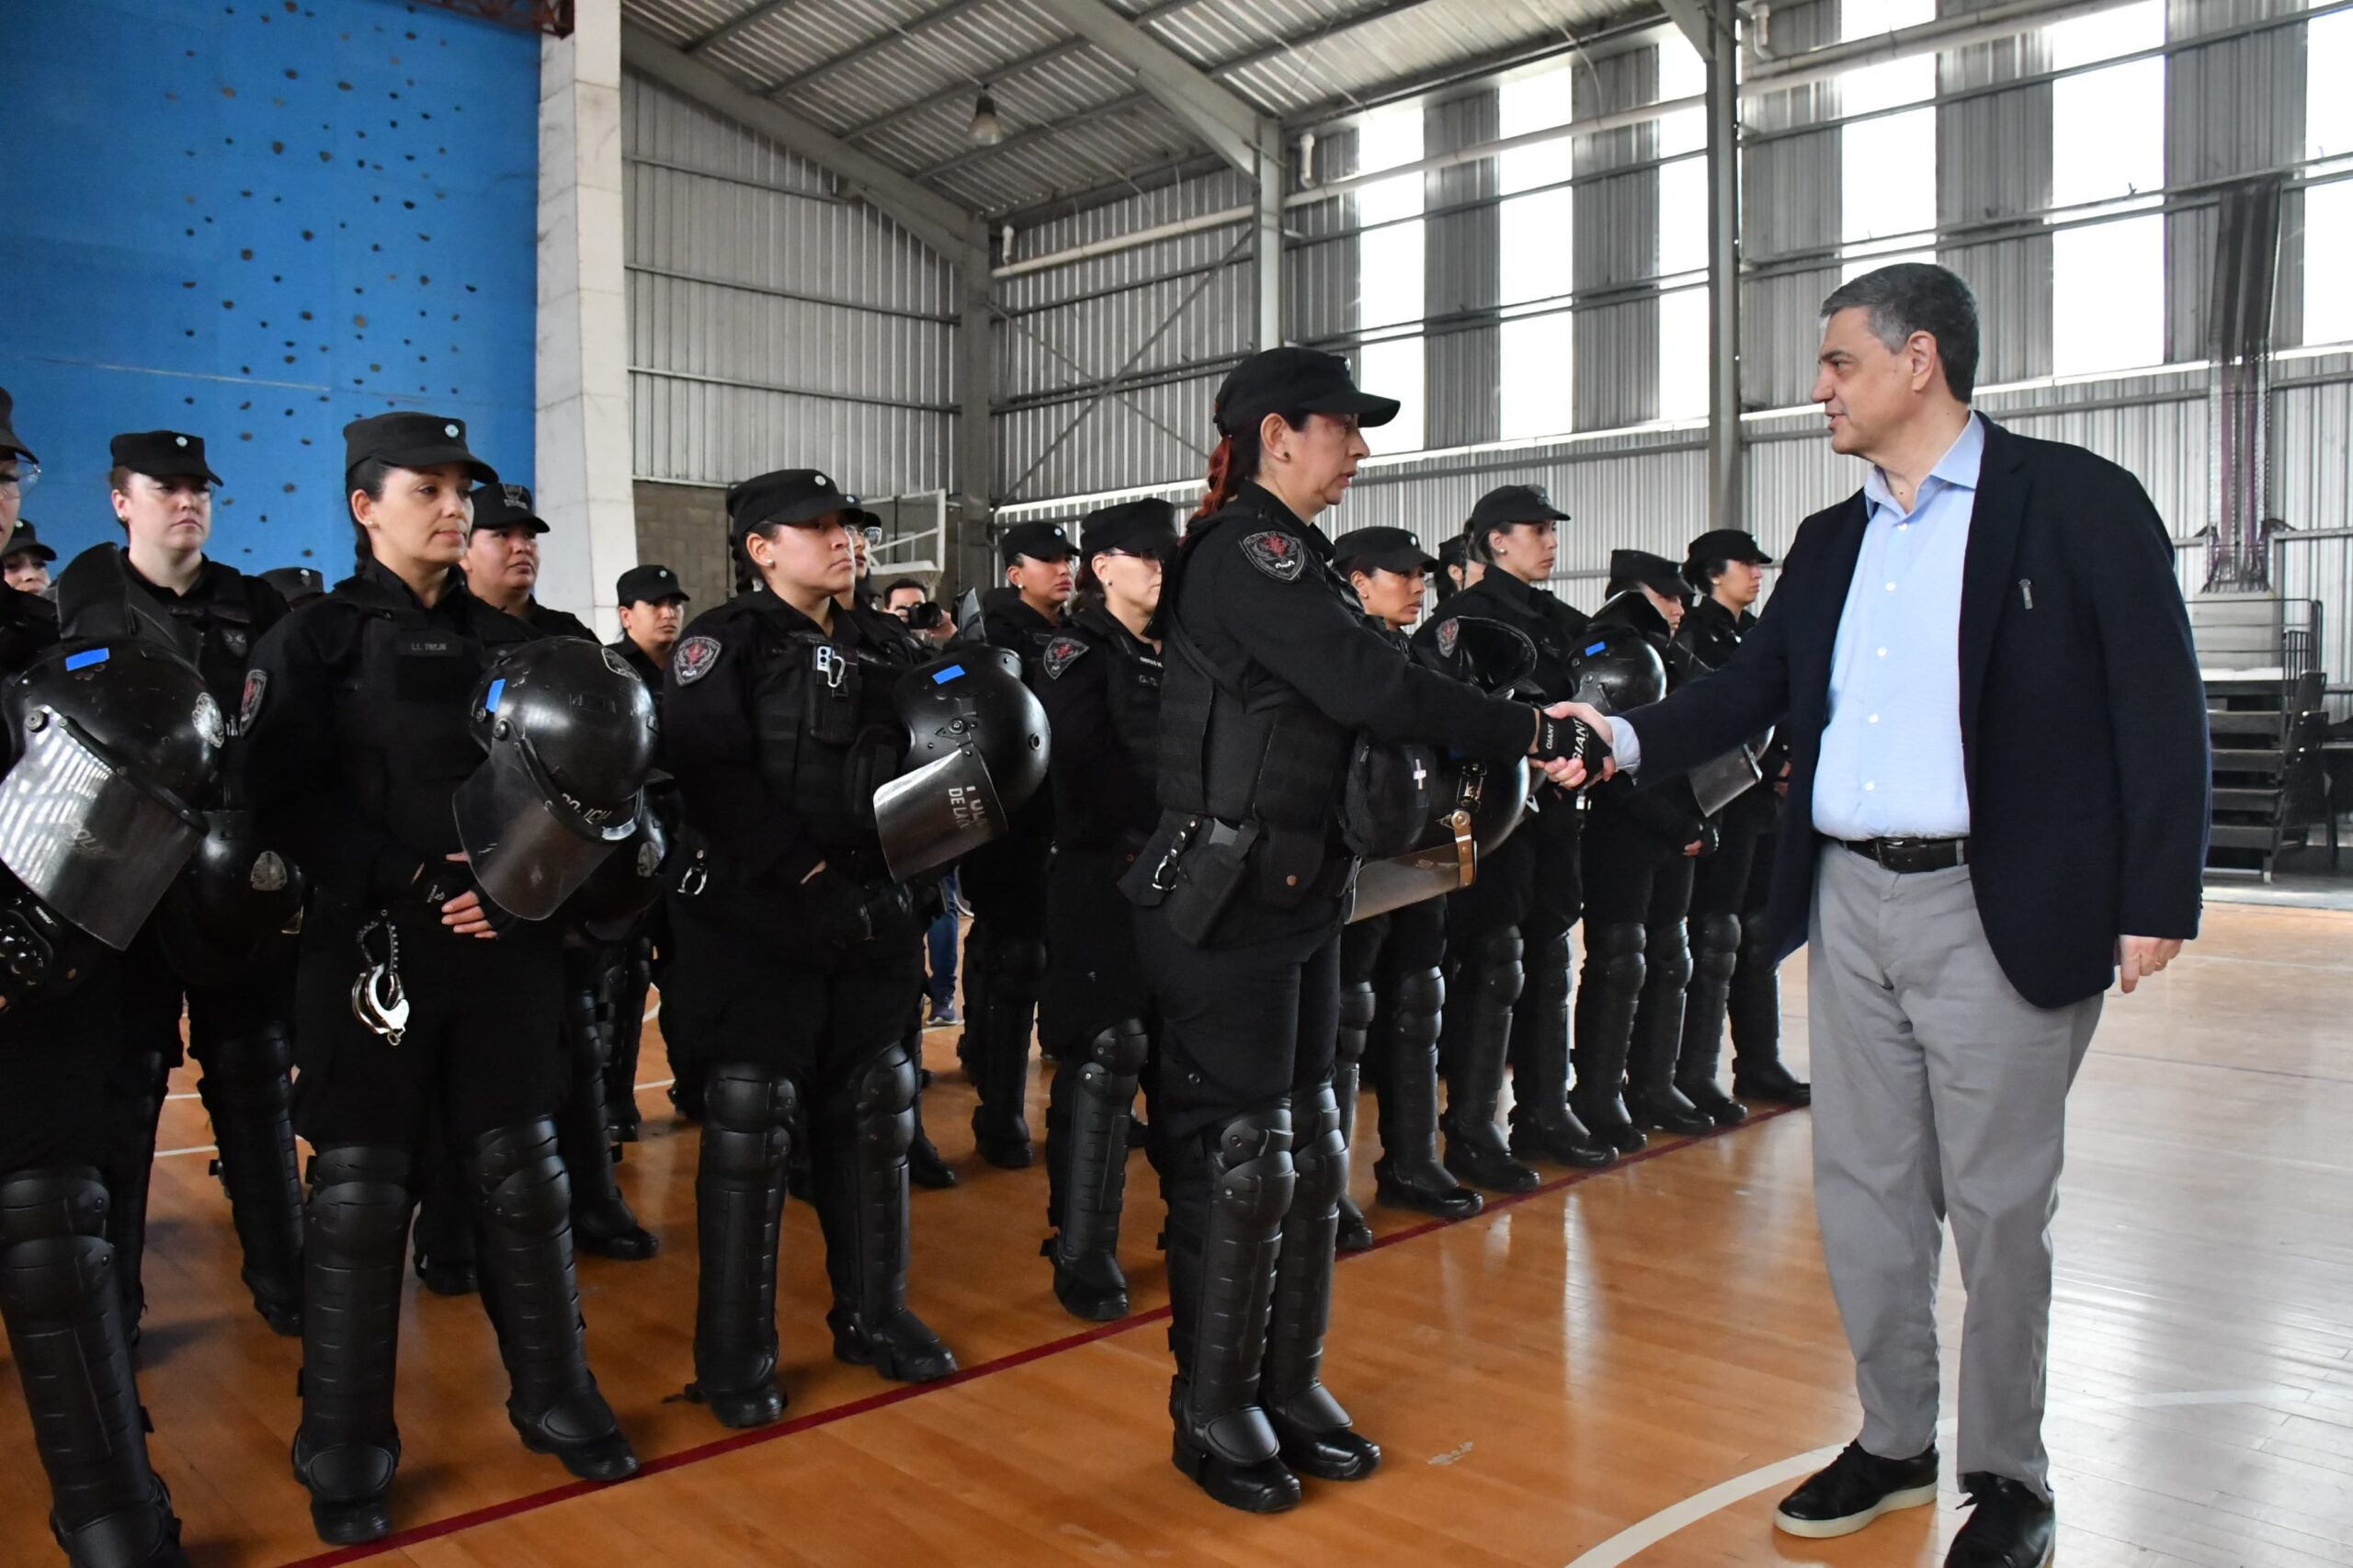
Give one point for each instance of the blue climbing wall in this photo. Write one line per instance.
(258, 220)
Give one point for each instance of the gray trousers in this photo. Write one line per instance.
(1938, 1092)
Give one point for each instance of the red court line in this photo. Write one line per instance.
(532, 1502)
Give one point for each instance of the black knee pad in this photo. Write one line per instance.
(884, 1094)
(1715, 945)
(359, 1197)
(1491, 963)
(263, 1056)
(1357, 1007)
(1614, 953)
(1756, 938)
(747, 1119)
(1020, 964)
(521, 1178)
(1668, 956)
(1251, 1173)
(1547, 965)
(1119, 1050)
(43, 1205)
(1320, 1154)
(1419, 993)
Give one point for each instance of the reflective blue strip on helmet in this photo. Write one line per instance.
(1597, 648)
(943, 677)
(490, 703)
(85, 658)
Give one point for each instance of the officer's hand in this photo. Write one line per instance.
(464, 913)
(1696, 848)
(1572, 751)
(835, 908)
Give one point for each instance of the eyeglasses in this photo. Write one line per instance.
(873, 534)
(17, 480)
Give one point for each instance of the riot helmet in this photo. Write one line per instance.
(111, 745)
(1479, 803)
(976, 751)
(1493, 655)
(569, 734)
(625, 885)
(1615, 669)
(235, 894)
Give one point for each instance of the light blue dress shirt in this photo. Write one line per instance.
(1890, 763)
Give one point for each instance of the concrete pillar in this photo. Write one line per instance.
(582, 424)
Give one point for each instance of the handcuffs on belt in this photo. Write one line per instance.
(378, 999)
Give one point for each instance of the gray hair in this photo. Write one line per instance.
(1914, 296)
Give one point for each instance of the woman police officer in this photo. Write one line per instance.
(798, 960)
(1241, 892)
(1099, 682)
(360, 734)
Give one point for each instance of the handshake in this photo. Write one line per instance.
(1572, 744)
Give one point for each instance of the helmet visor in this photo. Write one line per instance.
(91, 840)
(945, 809)
(529, 849)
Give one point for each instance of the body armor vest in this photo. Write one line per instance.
(401, 717)
(822, 718)
(1132, 688)
(1246, 746)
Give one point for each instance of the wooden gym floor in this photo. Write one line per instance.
(1625, 1368)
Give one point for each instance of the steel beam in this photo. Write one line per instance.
(1718, 43)
(1217, 115)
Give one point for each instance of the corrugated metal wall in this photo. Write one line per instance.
(772, 324)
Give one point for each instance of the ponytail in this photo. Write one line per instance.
(1221, 482)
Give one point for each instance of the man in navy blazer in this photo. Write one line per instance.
(1998, 799)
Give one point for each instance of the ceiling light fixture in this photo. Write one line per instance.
(987, 129)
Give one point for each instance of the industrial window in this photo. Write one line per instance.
(1682, 237)
(2107, 157)
(1887, 163)
(2328, 209)
(1535, 276)
(1390, 301)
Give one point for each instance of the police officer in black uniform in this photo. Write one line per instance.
(238, 994)
(1099, 682)
(361, 734)
(59, 1031)
(799, 963)
(23, 559)
(1507, 934)
(1271, 677)
(1393, 976)
(1005, 951)
(1640, 847)
(1732, 967)
(652, 608)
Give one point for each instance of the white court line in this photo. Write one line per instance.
(1639, 1538)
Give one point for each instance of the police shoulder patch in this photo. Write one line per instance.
(1279, 555)
(696, 658)
(249, 704)
(1450, 632)
(1061, 653)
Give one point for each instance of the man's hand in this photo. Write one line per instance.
(2137, 958)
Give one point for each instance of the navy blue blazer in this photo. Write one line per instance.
(2083, 721)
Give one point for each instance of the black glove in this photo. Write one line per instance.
(841, 910)
(1558, 738)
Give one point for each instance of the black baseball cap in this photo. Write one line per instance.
(1727, 544)
(1288, 381)
(506, 507)
(9, 445)
(1038, 542)
(413, 440)
(1655, 573)
(648, 584)
(162, 454)
(24, 541)
(1510, 503)
(297, 584)
(1451, 550)
(794, 496)
(1380, 550)
(1147, 527)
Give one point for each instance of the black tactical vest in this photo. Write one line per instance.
(1133, 688)
(822, 718)
(1242, 746)
(400, 715)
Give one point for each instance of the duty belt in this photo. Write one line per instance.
(1907, 854)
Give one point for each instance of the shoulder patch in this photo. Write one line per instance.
(1279, 555)
(249, 704)
(1450, 632)
(1061, 653)
(696, 657)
